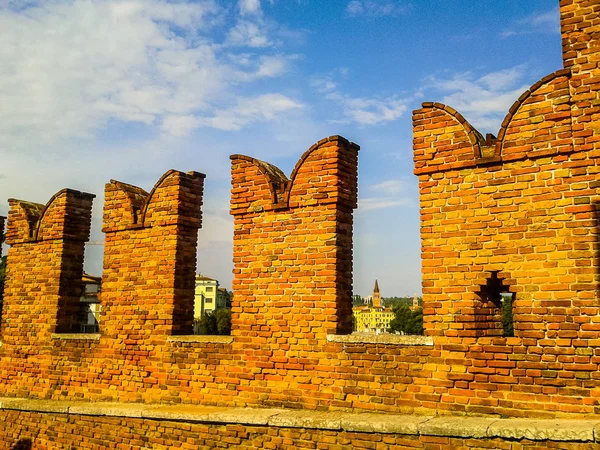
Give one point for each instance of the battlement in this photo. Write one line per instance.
(500, 213)
(175, 200)
(150, 256)
(42, 289)
(509, 217)
(293, 244)
(65, 216)
(326, 173)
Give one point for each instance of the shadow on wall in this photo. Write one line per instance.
(23, 444)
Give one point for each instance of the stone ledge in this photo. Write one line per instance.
(205, 339)
(394, 339)
(546, 429)
(76, 336)
(558, 430)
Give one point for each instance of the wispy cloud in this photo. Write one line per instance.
(543, 22)
(370, 204)
(249, 34)
(69, 68)
(483, 100)
(389, 186)
(376, 8)
(250, 110)
(249, 7)
(361, 110)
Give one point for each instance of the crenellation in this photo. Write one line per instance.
(507, 218)
(513, 208)
(293, 245)
(45, 261)
(150, 257)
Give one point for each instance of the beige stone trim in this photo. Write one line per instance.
(76, 336)
(561, 430)
(394, 339)
(203, 339)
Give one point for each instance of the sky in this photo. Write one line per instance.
(94, 90)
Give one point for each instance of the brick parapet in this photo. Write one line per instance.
(45, 266)
(150, 257)
(326, 173)
(293, 249)
(518, 212)
(507, 207)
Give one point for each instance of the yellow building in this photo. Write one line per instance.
(373, 318)
(208, 296)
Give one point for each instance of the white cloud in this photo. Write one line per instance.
(180, 126)
(389, 186)
(249, 34)
(372, 111)
(249, 7)
(70, 68)
(360, 110)
(250, 110)
(484, 100)
(370, 204)
(543, 22)
(376, 8)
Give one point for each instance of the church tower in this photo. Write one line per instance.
(376, 296)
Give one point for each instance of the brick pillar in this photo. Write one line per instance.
(150, 257)
(580, 21)
(43, 284)
(293, 247)
(580, 29)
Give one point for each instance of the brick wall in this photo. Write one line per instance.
(293, 249)
(23, 430)
(42, 288)
(514, 213)
(150, 258)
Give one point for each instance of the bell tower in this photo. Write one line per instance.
(376, 296)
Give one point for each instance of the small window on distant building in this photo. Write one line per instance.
(209, 289)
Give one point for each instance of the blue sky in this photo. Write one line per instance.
(93, 90)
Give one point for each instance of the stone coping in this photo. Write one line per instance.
(76, 336)
(207, 339)
(96, 337)
(395, 339)
(565, 430)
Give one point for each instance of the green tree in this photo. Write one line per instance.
(223, 317)
(406, 321)
(214, 323)
(393, 301)
(507, 315)
(357, 300)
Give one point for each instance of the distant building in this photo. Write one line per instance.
(223, 298)
(415, 303)
(208, 296)
(89, 304)
(372, 317)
